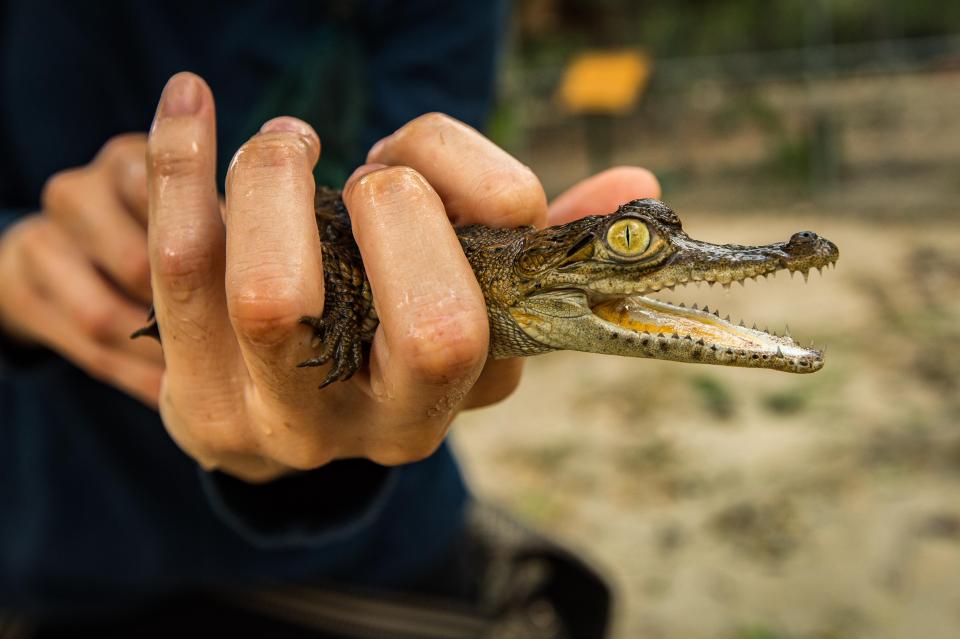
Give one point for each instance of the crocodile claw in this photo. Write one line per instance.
(339, 343)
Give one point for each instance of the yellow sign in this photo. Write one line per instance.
(605, 82)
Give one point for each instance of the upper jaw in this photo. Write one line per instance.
(695, 261)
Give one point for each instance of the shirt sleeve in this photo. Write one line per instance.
(310, 508)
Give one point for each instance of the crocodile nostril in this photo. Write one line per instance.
(803, 236)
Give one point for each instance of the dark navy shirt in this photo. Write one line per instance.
(97, 505)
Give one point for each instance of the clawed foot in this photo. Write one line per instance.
(339, 343)
(150, 330)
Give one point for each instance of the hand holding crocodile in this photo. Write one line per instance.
(231, 287)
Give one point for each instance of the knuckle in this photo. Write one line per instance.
(428, 122)
(393, 181)
(510, 196)
(264, 311)
(220, 439)
(407, 452)
(96, 321)
(304, 456)
(33, 234)
(174, 162)
(446, 349)
(123, 145)
(278, 150)
(181, 263)
(60, 188)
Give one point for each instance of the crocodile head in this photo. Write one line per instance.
(587, 286)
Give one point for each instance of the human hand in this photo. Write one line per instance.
(229, 291)
(479, 183)
(75, 277)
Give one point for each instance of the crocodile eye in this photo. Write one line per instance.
(628, 237)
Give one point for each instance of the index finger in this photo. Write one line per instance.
(479, 182)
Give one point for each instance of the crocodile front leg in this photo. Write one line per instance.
(348, 321)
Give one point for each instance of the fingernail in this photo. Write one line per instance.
(180, 97)
(377, 148)
(285, 123)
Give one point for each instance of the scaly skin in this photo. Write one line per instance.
(581, 286)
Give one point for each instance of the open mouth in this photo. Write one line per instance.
(706, 336)
(614, 313)
(675, 331)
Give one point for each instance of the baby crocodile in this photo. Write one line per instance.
(580, 286)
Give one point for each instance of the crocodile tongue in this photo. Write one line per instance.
(704, 336)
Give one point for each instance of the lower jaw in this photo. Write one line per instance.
(707, 334)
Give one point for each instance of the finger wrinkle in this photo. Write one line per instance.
(444, 348)
(269, 261)
(271, 150)
(449, 400)
(182, 162)
(392, 184)
(183, 274)
(425, 299)
(265, 318)
(276, 287)
(184, 324)
(507, 197)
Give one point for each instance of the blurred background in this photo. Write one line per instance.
(738, 503)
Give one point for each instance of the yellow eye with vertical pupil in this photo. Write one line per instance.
(628, 237)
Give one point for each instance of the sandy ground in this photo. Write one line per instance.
(756, 504)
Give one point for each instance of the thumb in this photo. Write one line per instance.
(603, 193)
